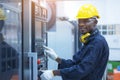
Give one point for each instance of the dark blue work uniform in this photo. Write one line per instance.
(89, 63)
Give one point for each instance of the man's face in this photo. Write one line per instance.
(87, 25)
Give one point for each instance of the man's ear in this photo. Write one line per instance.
(96, 21)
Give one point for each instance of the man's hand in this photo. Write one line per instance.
(51, 53)
(47, 75)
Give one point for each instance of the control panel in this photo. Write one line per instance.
(42, 59)
(39, 35)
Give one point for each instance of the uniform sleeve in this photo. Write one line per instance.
(65, 64)
(87, 64)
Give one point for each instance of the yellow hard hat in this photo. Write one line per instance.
(2, 15)
(87, 11)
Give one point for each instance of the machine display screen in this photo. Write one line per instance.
(38, 30)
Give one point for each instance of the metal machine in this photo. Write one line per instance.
(24, 32)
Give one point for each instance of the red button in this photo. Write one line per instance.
(38, 61)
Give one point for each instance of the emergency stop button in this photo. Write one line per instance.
(38, 61)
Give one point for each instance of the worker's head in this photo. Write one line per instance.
(87, 18)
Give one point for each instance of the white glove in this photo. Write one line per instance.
(47, 75)
(51, 53)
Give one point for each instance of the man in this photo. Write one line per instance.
(90, 61)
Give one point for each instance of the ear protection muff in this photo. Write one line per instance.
(84, 37)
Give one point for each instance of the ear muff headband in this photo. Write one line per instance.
(84, 37)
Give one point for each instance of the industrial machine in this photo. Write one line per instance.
(22, 36)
